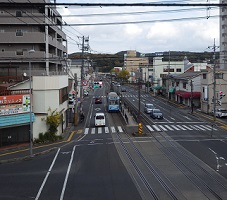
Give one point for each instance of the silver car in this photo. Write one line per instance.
(148, 107)
(156, 113)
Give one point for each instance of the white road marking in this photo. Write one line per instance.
(86, 131)
(99, 130)
(106, 130)
(47, 175)
(163, 128)
(113, 129)
(93, 131)
(67, 174)
(149, 127)
(156, 128)
(120, 129)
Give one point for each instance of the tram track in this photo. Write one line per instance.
(138, 161)
(198, 175)
(206, 180)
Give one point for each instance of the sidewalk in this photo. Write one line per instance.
(22, 151)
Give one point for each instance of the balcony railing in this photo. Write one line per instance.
(13, 92)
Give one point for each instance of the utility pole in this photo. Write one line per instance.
(75, 106)
(139, 77)
(214, 47)
(192, 104)
(84, 49)
(168, 77)
(82, 74)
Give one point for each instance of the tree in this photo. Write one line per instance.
(53, 120)
(123, 75)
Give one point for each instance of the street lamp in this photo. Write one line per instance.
(30, 94)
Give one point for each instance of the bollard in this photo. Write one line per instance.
(140, 128)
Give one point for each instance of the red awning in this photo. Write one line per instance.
(187, 95)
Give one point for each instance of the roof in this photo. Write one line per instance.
(187, 75)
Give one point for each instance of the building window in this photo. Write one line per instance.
(19, 52)
(204, 76)
(219, 75)
(168, 70)
(19, 32)
(178, 69)
(184, 85)
(177, 83)
(18, 13)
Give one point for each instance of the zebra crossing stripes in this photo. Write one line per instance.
(120, 129)
(106, 130)
(151, 128)
(86, 131)
(113, 129)
(99, 130)
(93, 131)
(159, 128)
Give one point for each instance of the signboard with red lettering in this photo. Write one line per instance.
(14, 104)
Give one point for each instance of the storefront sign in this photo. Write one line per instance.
(14, 104)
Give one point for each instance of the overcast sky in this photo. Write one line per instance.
(167, 28)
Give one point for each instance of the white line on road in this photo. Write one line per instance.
(106, 130)
(99, 130)
(67, 174)
(86, 131)
(46, 177)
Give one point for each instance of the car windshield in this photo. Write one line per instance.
(157, 111)
(100, 117)
(150, 106)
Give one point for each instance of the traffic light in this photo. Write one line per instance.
(219, 102)
(221, 95)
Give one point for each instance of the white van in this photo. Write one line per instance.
(100, 119)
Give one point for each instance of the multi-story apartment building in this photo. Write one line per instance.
(31, 40)
(223, 36)
(132, 63)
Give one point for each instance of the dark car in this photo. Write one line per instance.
(123, 89)
(98, 100)
(156, 114)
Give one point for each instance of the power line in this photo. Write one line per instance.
(119, 4)
(144, 21)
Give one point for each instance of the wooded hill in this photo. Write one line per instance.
(106, 62)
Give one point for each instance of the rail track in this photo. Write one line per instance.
(207, 181)
(156, 184)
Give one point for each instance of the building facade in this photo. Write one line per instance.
(31, 40)
(223, 36)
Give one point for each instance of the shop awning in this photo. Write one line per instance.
(171, 90)
(157, 87)
(187, 95)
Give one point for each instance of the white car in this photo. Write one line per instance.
(100, 119)
(221, 112)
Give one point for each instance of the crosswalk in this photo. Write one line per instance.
(128, 95)
(152, 128)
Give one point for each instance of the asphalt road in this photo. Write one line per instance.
(93, 165)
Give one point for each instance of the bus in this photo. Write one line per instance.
(113, 102)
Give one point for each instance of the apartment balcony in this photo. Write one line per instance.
(22, 37)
